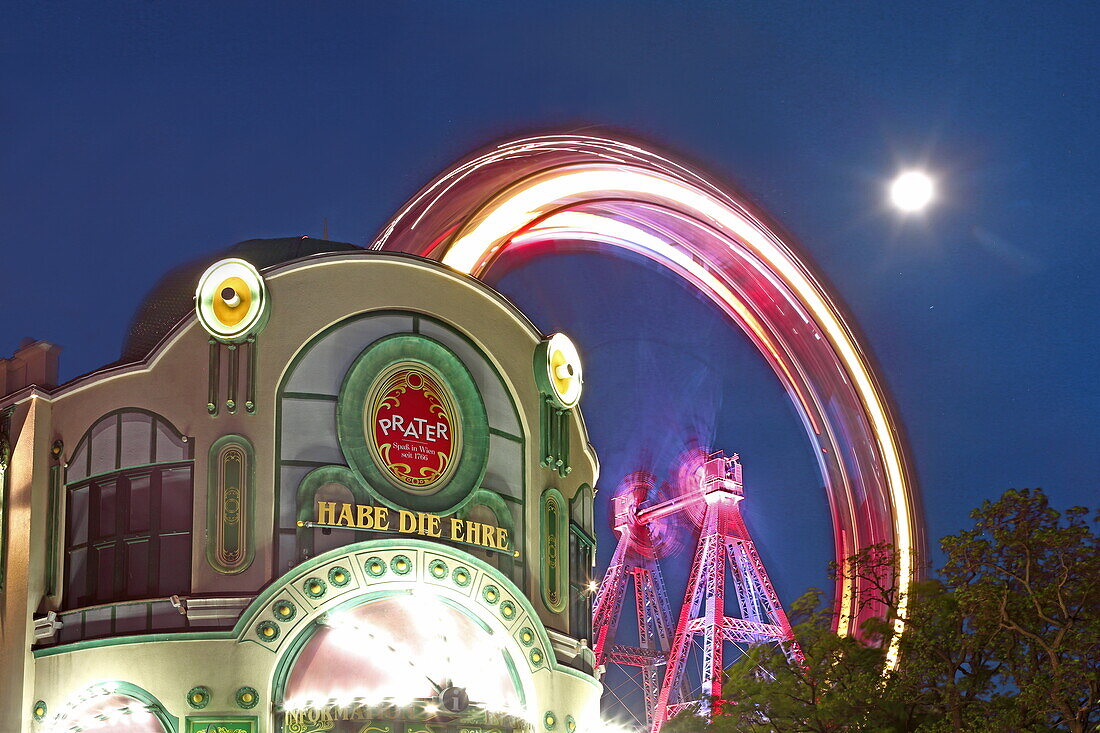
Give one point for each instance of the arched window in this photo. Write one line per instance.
(129, 502)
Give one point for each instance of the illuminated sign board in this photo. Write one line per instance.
(341, 515)
(220, 724)
(411, 427)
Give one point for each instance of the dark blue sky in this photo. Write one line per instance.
(137, 136)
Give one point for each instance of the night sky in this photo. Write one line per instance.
(134, 137)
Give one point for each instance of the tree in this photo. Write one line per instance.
(1006, 638)
(1027, 578)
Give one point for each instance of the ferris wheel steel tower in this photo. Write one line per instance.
(712, 497)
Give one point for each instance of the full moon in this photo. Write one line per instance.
(912, 191)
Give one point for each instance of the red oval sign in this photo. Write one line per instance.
(412, 427)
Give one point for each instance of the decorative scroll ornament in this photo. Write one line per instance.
(554, 526)
(231, 301)
(229, 513)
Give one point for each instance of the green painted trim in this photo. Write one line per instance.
(581, 535)
(470, 406)
(259, 603)
(513, 672)
(465, 611)
(214, 378)
(310, 396)
(135, 467)
(506, 435)
(246, 505)
(286, 661)
(250, 401)
(156, 707)
(307, 493)
(304, 464)
(246, 690)
(554, 550)
(200, 723)
(315, 479)
(52, 519)
(234, 377)
(79, 646)
(198, 697)
(494, 503)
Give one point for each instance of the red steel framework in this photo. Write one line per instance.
(724, 544)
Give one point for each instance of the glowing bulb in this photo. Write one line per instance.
(912, 191)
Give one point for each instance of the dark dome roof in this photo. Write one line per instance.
(173, 297)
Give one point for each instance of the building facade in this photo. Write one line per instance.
(325, 489)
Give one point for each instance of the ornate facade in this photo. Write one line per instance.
(338, 490)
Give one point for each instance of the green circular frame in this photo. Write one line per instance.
(468, 401)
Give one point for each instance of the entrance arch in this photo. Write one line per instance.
(613, 194)
(339, 623)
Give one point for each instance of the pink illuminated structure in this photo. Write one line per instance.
(711, 491)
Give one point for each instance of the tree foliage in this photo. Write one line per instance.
(1005, 637)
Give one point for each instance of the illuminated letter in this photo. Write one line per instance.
(345, 519)
(326, 512)
(364, 518)
(433, 525)
(473, 532)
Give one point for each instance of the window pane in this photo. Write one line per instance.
(138, 519)
(74, 587)
(175, 565)
(175, 499)
(103, 573)
(169, 447)
(106, 508)
(166, 617)
(137, 439)
(97, 622)
(104, 445)
(137, 569)
(78, 464)
(131, 618)
(78, 516)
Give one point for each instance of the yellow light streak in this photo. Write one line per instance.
(473, 247)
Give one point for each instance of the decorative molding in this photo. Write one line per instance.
(198, 697)
(230, 517)
(553, 549)
(247, 697)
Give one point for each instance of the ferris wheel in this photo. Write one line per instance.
(650, 522)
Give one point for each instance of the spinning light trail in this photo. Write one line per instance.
(611, 194)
